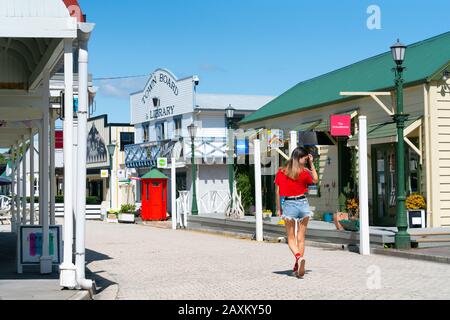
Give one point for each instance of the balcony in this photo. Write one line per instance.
(207, 151)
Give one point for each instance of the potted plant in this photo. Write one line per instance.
(127, 213)
(416, 205)
(349, 221)
(267, 214)
(112, 216)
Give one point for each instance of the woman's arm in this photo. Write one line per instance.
(277, 196)
(315, 177)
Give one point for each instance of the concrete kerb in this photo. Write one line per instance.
(410, 255)
(326, 245)
(82, 295)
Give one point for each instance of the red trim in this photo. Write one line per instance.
(59, 139)
(74, 9)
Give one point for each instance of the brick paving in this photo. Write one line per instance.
(148, 262)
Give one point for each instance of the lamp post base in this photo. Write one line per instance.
(402, 241)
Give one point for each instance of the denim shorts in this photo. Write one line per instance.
(296, 209)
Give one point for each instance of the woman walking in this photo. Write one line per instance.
(292, 183)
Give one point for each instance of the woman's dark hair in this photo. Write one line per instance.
(292, 168)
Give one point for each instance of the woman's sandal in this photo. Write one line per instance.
(301, 269)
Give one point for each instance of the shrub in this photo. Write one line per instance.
(244, 186)
(93, 200)
(128, 208)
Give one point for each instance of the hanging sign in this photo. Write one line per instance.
(340, 125)
(104, 173)
(241, 147)
(162, 163)
(276, 137)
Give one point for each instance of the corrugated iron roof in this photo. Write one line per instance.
(423, 59)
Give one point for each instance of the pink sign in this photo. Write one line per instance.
(340, 125)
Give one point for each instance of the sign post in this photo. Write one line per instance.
(258, 194)
(364, 232)
(173, 192)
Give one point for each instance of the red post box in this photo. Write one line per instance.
(154, 196)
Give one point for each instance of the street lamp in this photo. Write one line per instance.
(229, 113)
(193, 133)
(111, 151)
(402, 238)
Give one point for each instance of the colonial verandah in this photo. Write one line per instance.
(35, 43)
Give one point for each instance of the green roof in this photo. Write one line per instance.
(422, 60)
(154, 174)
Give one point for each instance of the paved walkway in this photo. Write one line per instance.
(145, 262)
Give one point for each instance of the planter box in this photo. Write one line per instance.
(112, 218)
(416, 218)
(126, 217)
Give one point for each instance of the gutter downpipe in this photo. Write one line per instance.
(429, 188)
(84, 32)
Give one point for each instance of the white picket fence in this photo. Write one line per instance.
(93, 212)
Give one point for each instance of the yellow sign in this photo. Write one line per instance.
(104, 173)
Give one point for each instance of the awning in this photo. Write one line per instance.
(4, 181)
(385, 132)
(308, 126)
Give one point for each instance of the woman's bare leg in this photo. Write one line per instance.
(301, 234)
(290, 232)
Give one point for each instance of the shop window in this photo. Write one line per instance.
(160, 132)
(177, 126)
(146, 132)
(126, 138)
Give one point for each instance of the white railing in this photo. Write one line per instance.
(215, 201)
(5, 203)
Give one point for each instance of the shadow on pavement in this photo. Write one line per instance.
(290, 273)
(8, 267)
(101, 282)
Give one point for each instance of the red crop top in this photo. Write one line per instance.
(290, 187)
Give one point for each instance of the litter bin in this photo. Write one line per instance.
(154, 196)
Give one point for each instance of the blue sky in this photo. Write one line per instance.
(261, 47)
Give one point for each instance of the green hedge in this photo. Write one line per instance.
(60, 199)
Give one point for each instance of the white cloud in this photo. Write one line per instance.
(120, 88)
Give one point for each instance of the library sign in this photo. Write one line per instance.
(164, 96)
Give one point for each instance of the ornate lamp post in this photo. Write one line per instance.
(402, 238)
(193, 132)
(111, 150)
(229, 113)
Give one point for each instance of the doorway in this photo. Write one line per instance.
(384, 181)
(384, 184)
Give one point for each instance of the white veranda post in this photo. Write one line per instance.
(67, 275)
(173, 192)
(258, 191)
(31, 177)
(364, 234)
(46, 259)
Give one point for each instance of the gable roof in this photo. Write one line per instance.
(422, 60)
(154, 174)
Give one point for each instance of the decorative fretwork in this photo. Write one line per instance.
(207, 151)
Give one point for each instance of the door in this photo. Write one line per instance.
(384, 185)
(156, 198)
